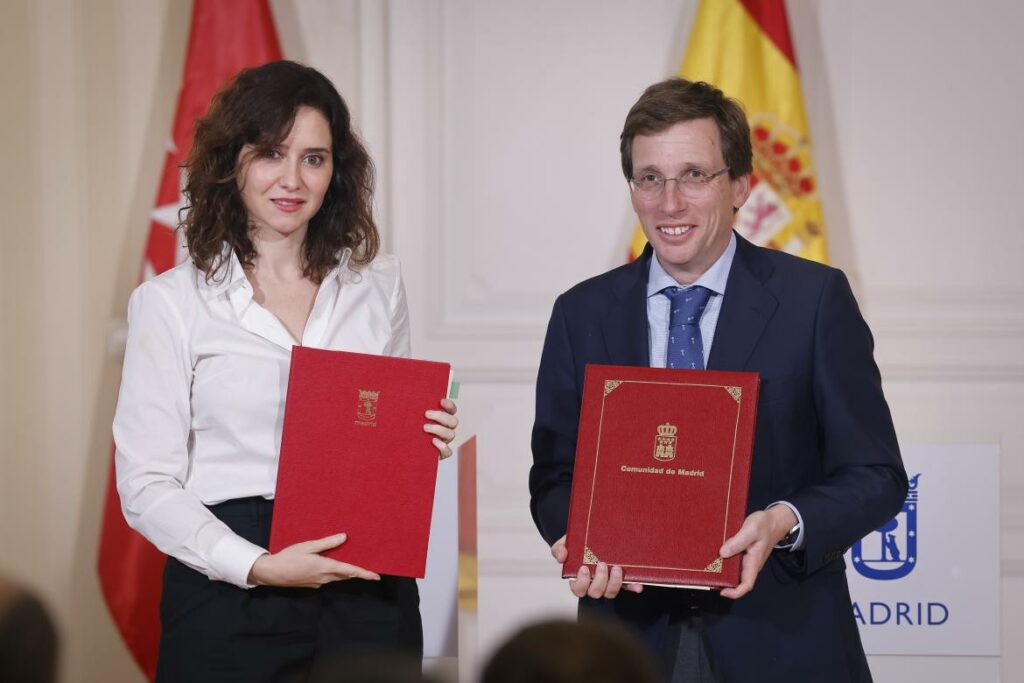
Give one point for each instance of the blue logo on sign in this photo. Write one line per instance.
(891, 552)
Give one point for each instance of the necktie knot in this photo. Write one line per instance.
(686, 305)
(685, 346)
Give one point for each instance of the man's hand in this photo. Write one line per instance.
(605, 583)
(756, 539)
(302, 566)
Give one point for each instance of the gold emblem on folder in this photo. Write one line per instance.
(366, 409)
(665, 442)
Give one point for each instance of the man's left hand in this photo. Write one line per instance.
(756, 539)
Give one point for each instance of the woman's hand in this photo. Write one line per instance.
(302, 566)
(443, 426)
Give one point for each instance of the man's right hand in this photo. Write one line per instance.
(302, 566)
(605, 583)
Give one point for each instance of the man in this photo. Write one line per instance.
(826, 467)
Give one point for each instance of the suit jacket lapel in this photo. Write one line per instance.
(625, 327)
(746, 309)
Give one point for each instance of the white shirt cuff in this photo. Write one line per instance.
(234, 557)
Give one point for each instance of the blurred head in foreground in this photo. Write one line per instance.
(28, 639)
(384, 667)
(571, 652)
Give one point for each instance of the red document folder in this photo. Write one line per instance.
(662, 473)
(355, 458)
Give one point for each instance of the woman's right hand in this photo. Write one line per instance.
(302, 566)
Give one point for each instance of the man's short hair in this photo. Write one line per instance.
(676, 100)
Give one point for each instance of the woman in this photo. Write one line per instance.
(283, 251)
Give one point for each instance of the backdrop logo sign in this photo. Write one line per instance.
(891, 552)
(946, 600)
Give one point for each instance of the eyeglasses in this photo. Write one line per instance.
(692, 183)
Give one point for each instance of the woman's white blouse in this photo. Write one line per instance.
(201, 406)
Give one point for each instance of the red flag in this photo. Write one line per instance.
(225, 37)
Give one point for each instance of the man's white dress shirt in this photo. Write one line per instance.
(201, 406)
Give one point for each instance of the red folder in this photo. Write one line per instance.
(355, 458)
(662, 473)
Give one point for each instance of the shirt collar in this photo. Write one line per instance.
(343, 267)
(227, 278)
(714, 278)
(231, 276)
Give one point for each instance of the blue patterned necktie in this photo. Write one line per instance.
(685, 347)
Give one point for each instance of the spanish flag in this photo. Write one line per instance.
(744, 48)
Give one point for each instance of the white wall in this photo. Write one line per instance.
(494, 125)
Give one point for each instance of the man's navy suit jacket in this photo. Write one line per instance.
(824, 442)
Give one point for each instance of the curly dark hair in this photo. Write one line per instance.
(257, 107)
(676, 100)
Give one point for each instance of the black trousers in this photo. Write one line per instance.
(214, 631)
